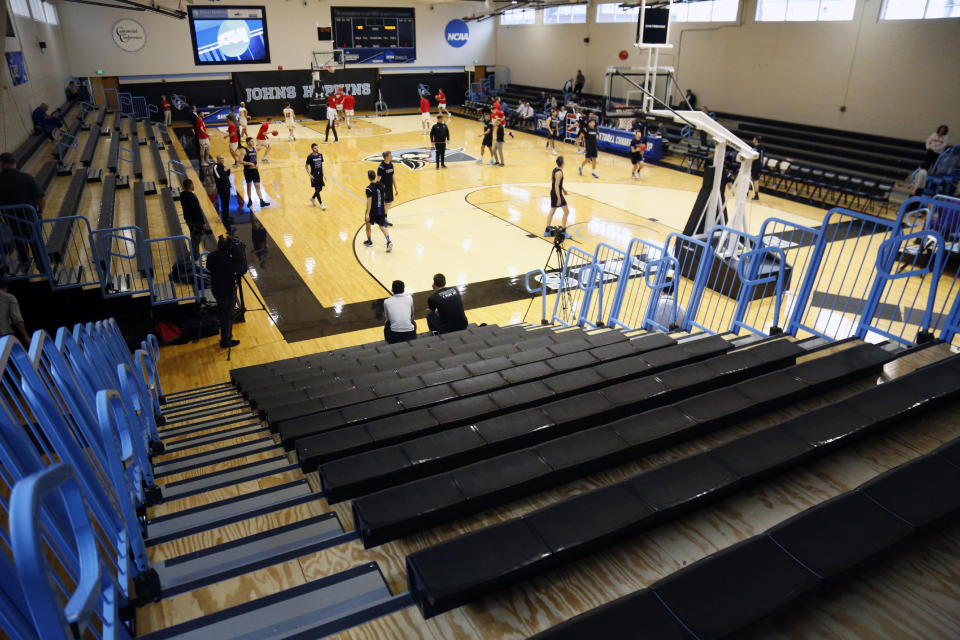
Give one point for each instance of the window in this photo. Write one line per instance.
(920, 9)
(50, 12)
(805, 10)
(36, 10)
(705, 11)
(519, 16)
(611, 12)
(20, 8)
(566, 14)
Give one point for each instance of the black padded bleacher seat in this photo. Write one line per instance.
(86, 157)
(158, 163)
(405, 509)
(113, 155)
(62, 229)
(29, 146)
(464, 568)
(144, 258)
(46, 174)
(105, 219)
(101, 117)
(355, 475)
(136, 160)
(722, 594)
(173, 219)
(463, 405)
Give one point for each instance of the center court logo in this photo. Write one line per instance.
(415, 159)
(457, 33)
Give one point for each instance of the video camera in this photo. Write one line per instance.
(235, 248)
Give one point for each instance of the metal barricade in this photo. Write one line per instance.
(21, 250)
(71, 258)
(123, 266)
(174, 276)
(633, 294)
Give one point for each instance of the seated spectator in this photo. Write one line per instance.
(445, 313)
(18, 187)
(918, 180)
(398, 308)
(516, 115)
(11, 322)
(72, 91)
(43, 123)
(529, 116)
(568, 91)
(544, 101)
(935, 144)
(669, 313)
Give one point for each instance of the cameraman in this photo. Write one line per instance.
(224, 271)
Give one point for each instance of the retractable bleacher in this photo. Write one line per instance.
(467, 567)
(61, 231)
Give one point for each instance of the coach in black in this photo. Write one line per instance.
(439, 136)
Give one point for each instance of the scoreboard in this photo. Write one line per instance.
(374, 35)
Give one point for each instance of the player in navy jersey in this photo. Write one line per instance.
(375, 212)
(558, 200)
(315, 171)
(637, 147)
(389, 184)
(486, 141)
(553, 131)
(589, 136)
(251, 173)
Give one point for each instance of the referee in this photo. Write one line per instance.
(439, 136)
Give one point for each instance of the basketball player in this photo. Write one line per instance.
(165, 106)
(637, 147)
(251, 174)
(553, 131)
(424, 114)
(388, 183)
(288, 119)
(589, 136)
(348, 104)
(233, 139)
(439, 136)
(557, 200)
(315, 171)
(486, 141)
(757, 167)
(203, 138)
(375, 212)
(263, 141)
(498, 141)
(331, 119)
(442, 102)
(242, 115)
(338, 102)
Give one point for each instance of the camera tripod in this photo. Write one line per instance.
(556, 261)
(241, 309)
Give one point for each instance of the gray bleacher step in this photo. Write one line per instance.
(227, 477)
(198, 569)
(169, 432)
(312, 610)
(223, 454)
(203, 413)
(201, 402)
(196, 391)
(184, 523)
(217, 436)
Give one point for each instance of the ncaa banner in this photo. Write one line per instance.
(457, 33)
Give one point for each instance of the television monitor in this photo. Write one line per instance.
(229, 35)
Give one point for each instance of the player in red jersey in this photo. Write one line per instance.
(442, 103)
(203, 138)
(233, 137)
(349, 102)
(338, 102)
(425, 114)
(331, 119)
(263, 142)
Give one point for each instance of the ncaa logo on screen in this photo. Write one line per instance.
(457, 33)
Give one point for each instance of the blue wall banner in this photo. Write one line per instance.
(18, 70)
(457, 33)
(614, 140)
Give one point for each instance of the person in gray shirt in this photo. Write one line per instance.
(10, 319)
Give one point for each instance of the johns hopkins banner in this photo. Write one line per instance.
(268, 92)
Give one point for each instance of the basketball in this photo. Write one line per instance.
(274, 132)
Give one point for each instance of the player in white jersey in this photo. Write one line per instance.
(288, 120)
(242, 115)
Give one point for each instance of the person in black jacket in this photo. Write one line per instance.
(224, 273)
(221, 174)
(193, 216)
(439, 136)
(445, 307)
(757, 166)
